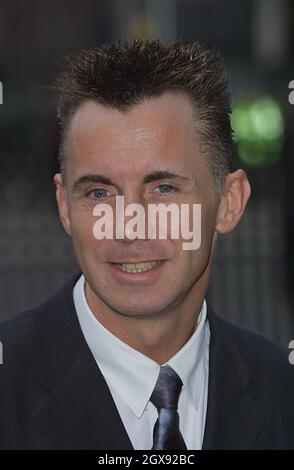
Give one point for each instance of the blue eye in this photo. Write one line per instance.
(166, 188)
(98, 193)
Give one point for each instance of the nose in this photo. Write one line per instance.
(130, 218)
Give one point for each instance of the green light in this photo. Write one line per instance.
(242, 124)
(258, 131)
(267, 119)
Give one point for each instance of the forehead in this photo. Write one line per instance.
(161, 128)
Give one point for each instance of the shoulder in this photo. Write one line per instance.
(21, 342)
(261, 370)
(266, 361)
(16, 334)
(27, 332)
(254, 345)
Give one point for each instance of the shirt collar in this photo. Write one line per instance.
(129, 372)
(188, 362)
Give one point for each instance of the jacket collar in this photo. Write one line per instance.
(233, 419)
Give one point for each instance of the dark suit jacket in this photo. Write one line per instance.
(53, 396)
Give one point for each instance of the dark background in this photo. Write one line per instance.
(252, 279)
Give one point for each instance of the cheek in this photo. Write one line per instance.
(82, 228)
(208, 220)
(202, 230)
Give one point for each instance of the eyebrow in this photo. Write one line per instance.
(155, 176)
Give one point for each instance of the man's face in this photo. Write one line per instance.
(158, 134)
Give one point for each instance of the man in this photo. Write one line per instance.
(128, 354)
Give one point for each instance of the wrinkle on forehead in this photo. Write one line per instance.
(160, 129)
(138, 138)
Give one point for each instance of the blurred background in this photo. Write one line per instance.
(252, 279)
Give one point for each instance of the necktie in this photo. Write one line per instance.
(165, 396)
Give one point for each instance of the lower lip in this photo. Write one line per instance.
(140, 276)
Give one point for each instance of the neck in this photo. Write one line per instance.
(158, 336)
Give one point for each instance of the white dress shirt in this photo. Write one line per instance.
(131, 376)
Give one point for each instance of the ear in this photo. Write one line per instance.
(62, 203)
(235, 195)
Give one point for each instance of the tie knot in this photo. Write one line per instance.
(167, 389)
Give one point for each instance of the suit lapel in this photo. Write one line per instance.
(75, 407)
(233, 419)
(81, 414)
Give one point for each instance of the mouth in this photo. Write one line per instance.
(137, 267)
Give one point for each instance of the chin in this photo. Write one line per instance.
(143, 309)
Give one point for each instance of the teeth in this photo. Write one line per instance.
(137, 267)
